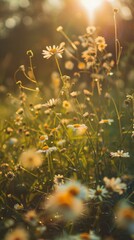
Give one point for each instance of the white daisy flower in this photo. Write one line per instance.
(108, 121)
(115, 185)
(120, 153)
(30, 159)
(78, 129)
(100, 192)
(58, 180)
(54, 50)
(51, 103)
(47, 150)
(18, 233)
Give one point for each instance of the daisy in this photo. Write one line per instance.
(120, 153)
(18, 120)
(108, 121)
(125, 216)
(102, 46)
(75, 188)
(58, 180)
(18, 233)
(66, 104)
(54, 50)
(43, 138)
(31, 217)
(100, 41)
(74, 94)
(30, 159)
(67, 200)
(78, 129)
(86, 114)
(84, 41)
(100, 192)
(115, 185)
(38, 106)
(90, 30)
(51, 103)
(87, 55)
(18, 206)
(20, 111)
(47, 150)
(66, 205)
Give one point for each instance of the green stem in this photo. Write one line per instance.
(118, 117)
(116, 40)
(31, 67)
(59, 69)
(69, 40)
(28, 172)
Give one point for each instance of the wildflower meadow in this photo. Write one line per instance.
(67, 146)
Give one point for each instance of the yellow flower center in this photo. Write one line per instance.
(84, 236)
(74, 191)
(45, 148)
(76, 125)
(53, 50)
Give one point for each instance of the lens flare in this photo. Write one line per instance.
(91, 6)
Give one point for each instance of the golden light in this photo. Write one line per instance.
(91, 6)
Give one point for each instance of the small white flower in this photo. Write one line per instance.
(78, 129)
(115, 185)
(100, 192)
(54, 50)
(30, 159)
(18, 120)
(108, 121)
(38, 106)
(43, 138)
(74, 94)
(61, 142)
(99, 40)
(47, 150)
(51, 103)
(86, 114)
(17, 233)
(18, 206)
(90, 29)
(58, 180)
(20, 111)
(120, 153)
(87, 55)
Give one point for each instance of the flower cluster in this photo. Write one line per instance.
(67, 200)
(59, 175)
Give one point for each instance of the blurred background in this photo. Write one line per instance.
(31, 24)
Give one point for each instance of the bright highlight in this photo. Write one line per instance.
(90, 6)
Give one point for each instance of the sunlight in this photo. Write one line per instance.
(91, 6)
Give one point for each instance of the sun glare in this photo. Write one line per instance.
(90, 6)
